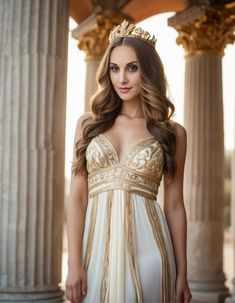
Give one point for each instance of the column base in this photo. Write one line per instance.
(230, 300)
(208, 292)
(215, 296)
(209, 297)
(33, 296)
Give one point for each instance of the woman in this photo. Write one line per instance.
(121, 247)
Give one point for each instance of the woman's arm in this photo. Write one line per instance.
(176, 216)
(76, 211)
(76, 284)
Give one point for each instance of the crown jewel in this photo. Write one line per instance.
(126, 29)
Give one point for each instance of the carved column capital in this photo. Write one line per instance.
(95, 41)
(204, 29)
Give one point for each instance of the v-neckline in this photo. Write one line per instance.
(119, 161)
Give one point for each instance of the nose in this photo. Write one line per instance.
(122, 77)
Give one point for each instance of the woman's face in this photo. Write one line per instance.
(125, 72)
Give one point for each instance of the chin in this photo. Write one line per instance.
(128, 98)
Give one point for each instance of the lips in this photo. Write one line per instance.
(124, 89)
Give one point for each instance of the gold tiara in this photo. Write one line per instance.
(130, 30)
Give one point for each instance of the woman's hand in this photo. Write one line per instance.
(76, 285)
(182, 292)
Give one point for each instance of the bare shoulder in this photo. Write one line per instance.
(180, 148)
(180, 132)
(83, 118)
(181, 143)
(80, 125)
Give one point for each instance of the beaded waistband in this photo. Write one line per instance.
(124, 179)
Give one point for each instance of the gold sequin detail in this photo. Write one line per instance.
(141, 169)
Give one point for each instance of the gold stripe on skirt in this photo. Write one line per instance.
(103, 290)
(159, 239)
(91, 232)
(131, 245)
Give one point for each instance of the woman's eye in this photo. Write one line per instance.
(114, 68)
(132, 68)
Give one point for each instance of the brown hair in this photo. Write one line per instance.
(106, 104)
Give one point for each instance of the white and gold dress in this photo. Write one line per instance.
(127, 249)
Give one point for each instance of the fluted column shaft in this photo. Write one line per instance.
(204, 190)
(33, 59)
(204, 31)
(232, 299)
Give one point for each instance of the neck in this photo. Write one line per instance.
(132, 109)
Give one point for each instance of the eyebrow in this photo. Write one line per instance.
(132, 62)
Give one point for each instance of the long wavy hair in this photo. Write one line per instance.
(105, 104)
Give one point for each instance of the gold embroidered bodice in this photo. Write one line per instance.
(140, 171)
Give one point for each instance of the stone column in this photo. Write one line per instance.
(232, 299)
(92, 35)
(204, 31)
(33, 62)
